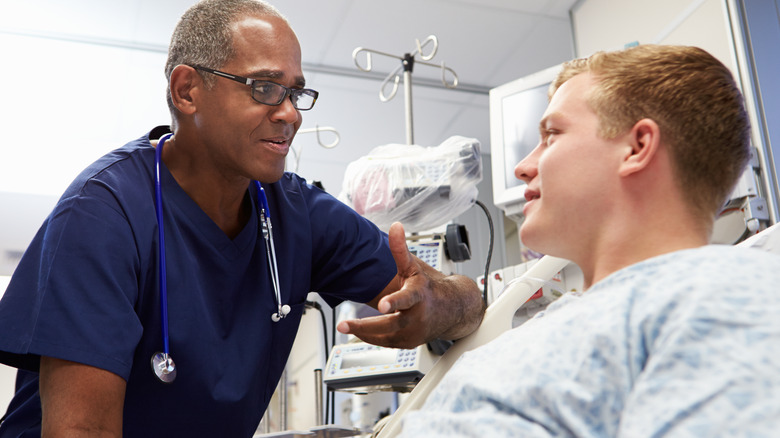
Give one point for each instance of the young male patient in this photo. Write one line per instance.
(639, 150)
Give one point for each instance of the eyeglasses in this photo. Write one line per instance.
(271, 93)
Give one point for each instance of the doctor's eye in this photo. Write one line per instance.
(267, 88)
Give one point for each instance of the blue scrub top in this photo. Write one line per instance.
(86, 290)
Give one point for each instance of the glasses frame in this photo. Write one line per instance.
(253, 83)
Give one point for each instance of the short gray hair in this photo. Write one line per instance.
(204, 36)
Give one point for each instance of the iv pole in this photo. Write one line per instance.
(407, 65)
(317, 129)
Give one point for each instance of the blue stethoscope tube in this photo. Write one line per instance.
(162, 363)
(270, 250)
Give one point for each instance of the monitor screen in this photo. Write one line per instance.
(521, 113)
(515, 111)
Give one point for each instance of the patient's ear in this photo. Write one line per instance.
(183, 81)
(644, 140)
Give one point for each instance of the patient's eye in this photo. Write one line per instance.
(549, 135)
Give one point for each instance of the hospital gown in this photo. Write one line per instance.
(685, 344)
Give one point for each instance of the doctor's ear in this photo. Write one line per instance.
(184, 80)
(644, 140)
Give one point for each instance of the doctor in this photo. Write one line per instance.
(97, 294)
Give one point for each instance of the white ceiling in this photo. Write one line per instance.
(486, 42)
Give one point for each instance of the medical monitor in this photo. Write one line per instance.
(515, 111)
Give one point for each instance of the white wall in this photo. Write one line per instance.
(7, 385)
(610, 25)
(67, 103)
(7, 374)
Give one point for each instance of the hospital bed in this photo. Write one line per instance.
(498, 319)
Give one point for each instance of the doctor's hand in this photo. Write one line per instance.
(419, 305)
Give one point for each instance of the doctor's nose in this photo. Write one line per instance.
(285, 112)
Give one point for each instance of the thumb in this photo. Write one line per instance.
(403, 258)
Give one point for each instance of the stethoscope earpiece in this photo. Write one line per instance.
(283, 311)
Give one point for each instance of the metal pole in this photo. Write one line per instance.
(408, 63)
(265, 423)
(283, 401)
(318, 395)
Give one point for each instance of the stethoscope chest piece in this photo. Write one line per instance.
(163, 367)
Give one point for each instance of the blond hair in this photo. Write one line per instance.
(691, 96)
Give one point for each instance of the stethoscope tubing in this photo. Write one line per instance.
(162, 363)
(270, 250)
(161, 246)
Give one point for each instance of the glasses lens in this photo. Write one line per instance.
(268, 93)
(303, 99)
(271, 93)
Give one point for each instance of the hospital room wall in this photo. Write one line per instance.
(7, 374)
(609, 25)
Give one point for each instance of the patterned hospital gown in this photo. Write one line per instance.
(685, 344)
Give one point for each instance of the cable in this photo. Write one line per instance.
(490, 251)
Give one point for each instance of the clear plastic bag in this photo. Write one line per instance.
(421, 187)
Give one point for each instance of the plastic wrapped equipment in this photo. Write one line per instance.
(421, 187)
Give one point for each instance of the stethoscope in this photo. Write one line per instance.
(162, 363)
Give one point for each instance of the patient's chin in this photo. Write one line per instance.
(538, 241)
